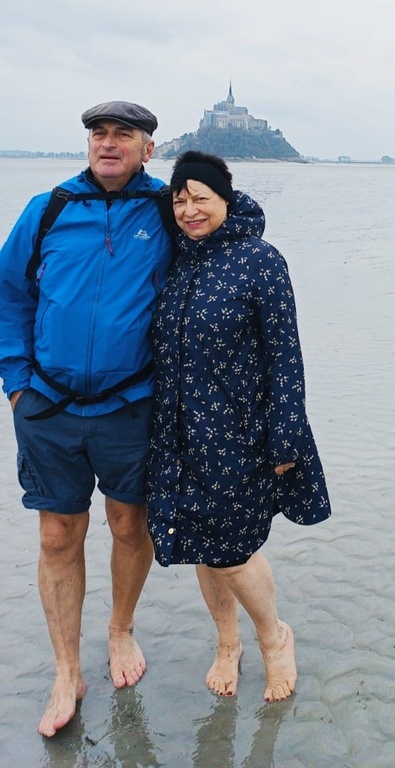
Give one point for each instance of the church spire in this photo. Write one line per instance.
(230, 100)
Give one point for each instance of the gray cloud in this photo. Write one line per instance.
(321, 72)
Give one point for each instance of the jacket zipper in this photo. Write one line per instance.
(109, 245)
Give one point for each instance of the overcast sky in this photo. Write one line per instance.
(322, 71)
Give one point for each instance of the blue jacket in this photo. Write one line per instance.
(230, 399)
(86, 317)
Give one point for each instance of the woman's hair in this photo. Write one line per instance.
(208, 169)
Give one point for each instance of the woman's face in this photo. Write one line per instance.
(198, 210)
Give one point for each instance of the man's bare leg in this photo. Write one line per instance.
(131, 560)
(222, 677)
(62, 589)
(253, 585)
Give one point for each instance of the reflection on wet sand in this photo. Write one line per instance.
(125, 741)
(217, 735)
(129, 740)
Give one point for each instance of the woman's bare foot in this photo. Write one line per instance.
(127, 663)
(223, 675)
(61, 705)
(280, 666)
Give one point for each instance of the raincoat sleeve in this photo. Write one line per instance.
(18, 299)
(287, 420)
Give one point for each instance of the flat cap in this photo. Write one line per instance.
(132, 115)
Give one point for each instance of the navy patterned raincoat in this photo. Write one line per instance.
(230, 399)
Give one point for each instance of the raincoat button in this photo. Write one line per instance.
(171, 530)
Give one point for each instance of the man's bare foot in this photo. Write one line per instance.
(61, 705)
(223, 675)
(280, 666)
(127, 663)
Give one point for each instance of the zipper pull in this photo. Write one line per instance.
(109, 245)
(40, 272)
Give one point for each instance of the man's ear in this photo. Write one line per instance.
(148, 150)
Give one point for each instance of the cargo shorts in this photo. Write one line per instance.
(61, 459)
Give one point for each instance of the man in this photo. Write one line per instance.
(75, 360)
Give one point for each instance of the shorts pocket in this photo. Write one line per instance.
(26, 475)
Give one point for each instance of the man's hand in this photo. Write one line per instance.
(15, 397)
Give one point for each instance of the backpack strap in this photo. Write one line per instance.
(164, 201)
(57, 202)
(61, 196)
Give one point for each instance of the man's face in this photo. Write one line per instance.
(116, 152)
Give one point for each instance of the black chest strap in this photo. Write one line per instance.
(61, 196)
(73, 396)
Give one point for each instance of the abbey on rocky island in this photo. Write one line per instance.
(225, 114)
(230, 131)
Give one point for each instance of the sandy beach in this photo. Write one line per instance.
(335, 581)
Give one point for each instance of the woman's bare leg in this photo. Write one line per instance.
(222, 676)
(253, 585)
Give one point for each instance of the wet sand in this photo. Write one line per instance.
(335, 586)
(335, 581)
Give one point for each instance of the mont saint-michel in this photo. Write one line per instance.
(230, 131)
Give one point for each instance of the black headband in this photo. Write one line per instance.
(206, 173)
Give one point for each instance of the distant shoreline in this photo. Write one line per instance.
(25, 155)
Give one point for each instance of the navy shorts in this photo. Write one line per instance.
(61, 458)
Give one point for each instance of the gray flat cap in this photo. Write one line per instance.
(132, 115)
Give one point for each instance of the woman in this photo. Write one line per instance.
(231, 445)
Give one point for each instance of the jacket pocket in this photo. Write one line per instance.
(42, 316)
